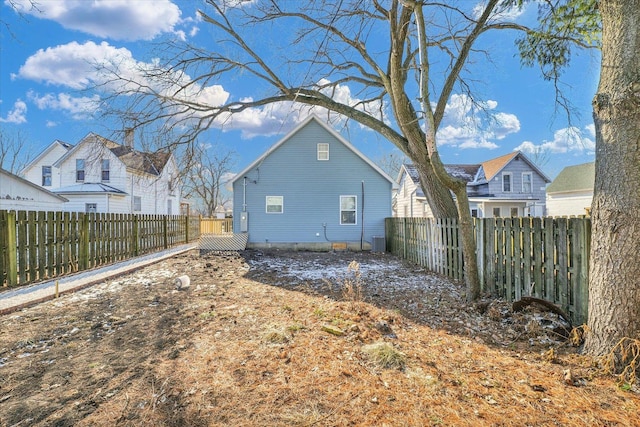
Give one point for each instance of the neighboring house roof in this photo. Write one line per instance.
(335, 134)
(574, 178)
(9, 175)
(151, 163)
(89, 188)
(476, 174)
(492, 167)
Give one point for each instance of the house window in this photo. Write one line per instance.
(275, 204)
(496, 212)
(46, 176)
(323, 151)
(169, 207)
(348, 210)
(80, 170)
(527, 182)
(91, 207)
(506, 182)
(137, 203)
(105, 170)
(514, 212)
(474, 213)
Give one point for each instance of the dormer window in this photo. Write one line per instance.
(323, 151)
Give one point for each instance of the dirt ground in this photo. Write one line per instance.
(296, 339)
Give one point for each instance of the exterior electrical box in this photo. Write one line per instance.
(378, 244)
(244, 222)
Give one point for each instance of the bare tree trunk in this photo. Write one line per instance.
(614, 286)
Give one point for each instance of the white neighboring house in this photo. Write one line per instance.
(571, 192)
(19, 194)
(100, 175)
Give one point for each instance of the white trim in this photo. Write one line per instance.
(321, 153)
(266, 204)
(530, 182)
(355, 210)
(510, 175)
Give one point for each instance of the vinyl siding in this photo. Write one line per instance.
(517, 167)
(569, 204)
(311, 190)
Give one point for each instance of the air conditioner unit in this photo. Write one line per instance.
(378, 244)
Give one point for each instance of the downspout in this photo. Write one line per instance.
(244, 194)
(362, 219)
(411, 197)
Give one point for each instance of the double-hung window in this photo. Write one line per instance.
(80, 170)
(527, 182)
(46, 176)
(348, 207)
(137, 203)
(105, 170)
(323, 151)
(506, 182)
(275, 204)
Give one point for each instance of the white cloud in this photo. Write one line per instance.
(78, 107)
(566, 140)
(73, 65)
(17, 115)
(114, 19)
(469, 125)
(90, 65)
(501, 13)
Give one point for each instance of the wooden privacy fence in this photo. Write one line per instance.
(431, 243)
(216, 225)
(546, 258)
(35, 246)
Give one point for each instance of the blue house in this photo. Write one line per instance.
(312, 190)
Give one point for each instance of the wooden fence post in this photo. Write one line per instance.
(83, 249)
(186, 229)
(12, 250)
(136, 236)
(165, 230)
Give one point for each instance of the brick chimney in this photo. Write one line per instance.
(128, 137)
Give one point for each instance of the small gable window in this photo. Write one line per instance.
(46, 176)
(323, 151)
(275, 204)
(348, 206)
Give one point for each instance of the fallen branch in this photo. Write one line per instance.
(527, 301)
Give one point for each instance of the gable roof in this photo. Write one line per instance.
(300, 126)
(10, 175)
(151, 163)
(494, 166)
(44, 152)
(574, 178)
(476, 174)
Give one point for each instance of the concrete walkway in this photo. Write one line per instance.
(18, 298)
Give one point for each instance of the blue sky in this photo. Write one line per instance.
(46, 73)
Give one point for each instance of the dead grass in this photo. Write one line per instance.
(235, 351)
